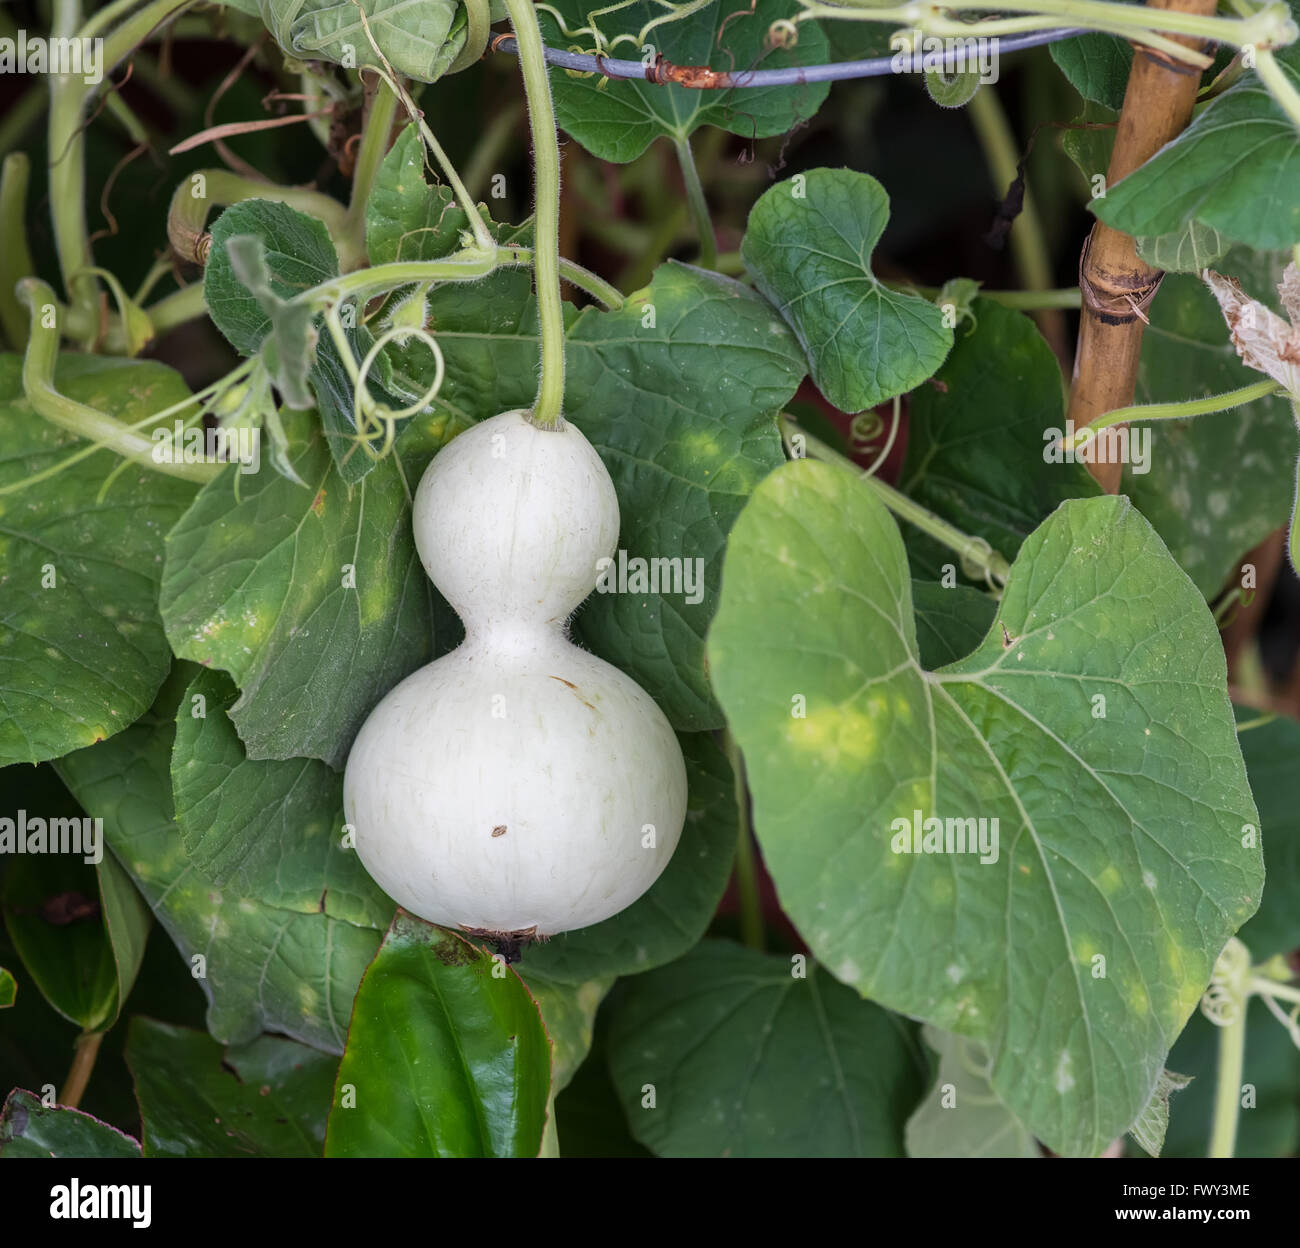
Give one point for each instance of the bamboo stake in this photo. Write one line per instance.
(1117, 286)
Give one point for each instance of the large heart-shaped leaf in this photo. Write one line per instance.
(808, 248)
(731, 1053)
(29, 1128)
(1074, 943)
(618, 119)
(82, 650)
(267, 1099)
(312, 599)
(261, 968)
(267, 829)
(446, 1056)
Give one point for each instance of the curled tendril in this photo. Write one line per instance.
(1225, 998)
(783, 34)
(606, 46)
(374, 419)
(889, 441)
(975, 563)
(864, 429)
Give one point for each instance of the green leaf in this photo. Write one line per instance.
(950, 622)
(406, 218)
(1097, 65)
(1149, 1130)
(289, 346)
(1207, 517)
(29, 1128)
(1272, 754)
(1236, 168)
(260, 967)
(51, 900)
(417, 40)
(267, 1099)
(261, 586)
(976, 441)
(271, 830)
(808, 248)
(1191, 249)
(1117, 837)
(589, 1118)
(618, 119)
(1090, 144)
(684, 448)
(752, 1055)
(295, 254)
(8, 989)
(961, 1116)
(82, 650)
(127, 920)
(446, 1056)
(674, 914)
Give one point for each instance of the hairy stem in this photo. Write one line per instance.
(86, 422)
(548, 409)
(15, 259)
(370, 155)
(1227, 1088)
(699, 206)
(67, 174)
(1173, 411)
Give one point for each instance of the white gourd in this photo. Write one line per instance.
(519, 785)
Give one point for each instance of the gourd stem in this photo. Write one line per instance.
(975, 552)
(547, 410)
